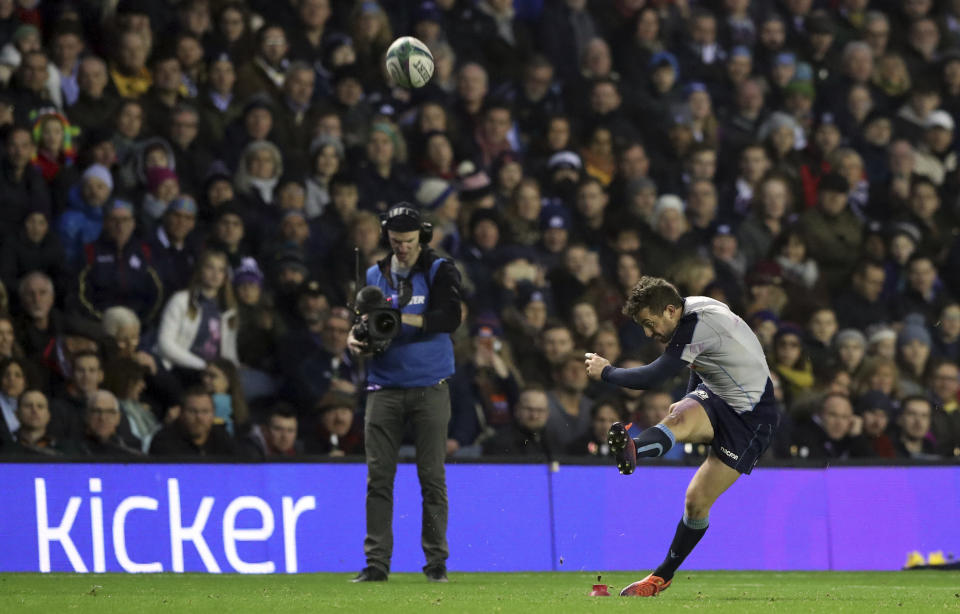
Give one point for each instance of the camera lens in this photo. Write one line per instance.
(386, 323)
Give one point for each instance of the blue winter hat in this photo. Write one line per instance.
(913, 332)
(184, 203)
(786, 59)
(694, 86)
(764, 315)
(118, 204)
(788, 328)
(101, 172)
(664, 58)
(487, 325)
(803, 72)
(554, 216)
(528, 293)
(248, 273)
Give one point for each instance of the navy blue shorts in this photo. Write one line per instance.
(739, 439)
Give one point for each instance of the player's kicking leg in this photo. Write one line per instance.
(708, 483)
(686, 422)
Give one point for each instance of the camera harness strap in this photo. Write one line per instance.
(404, 285)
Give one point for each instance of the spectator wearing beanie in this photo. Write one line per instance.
(259, 327)
(56, 150)
(132, 178)
(173, 245)
(913, 352)
(163, 185)
(440, 198)
(555, 224)
(82, 222)
(850, 348)
(668, 244)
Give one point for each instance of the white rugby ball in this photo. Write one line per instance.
(409, 62)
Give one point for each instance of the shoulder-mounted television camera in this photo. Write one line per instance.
(382, 321)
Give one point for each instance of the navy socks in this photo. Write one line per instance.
(689, 532)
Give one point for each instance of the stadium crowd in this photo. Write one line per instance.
(183, 185)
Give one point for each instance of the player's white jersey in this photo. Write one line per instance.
(722, 350)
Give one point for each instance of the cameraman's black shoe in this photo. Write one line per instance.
(436, 574)
(370, 574)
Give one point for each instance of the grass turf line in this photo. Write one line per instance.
(741, 592)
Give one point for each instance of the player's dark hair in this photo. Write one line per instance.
(653, 293)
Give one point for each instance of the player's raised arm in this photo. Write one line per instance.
(649, 376)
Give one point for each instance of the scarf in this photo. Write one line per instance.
(264, 187)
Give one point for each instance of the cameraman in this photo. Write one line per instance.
(407, 383)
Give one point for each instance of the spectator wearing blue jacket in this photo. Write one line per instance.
(82, 222)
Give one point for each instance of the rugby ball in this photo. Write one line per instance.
(409, 62)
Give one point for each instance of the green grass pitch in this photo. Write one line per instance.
(555, 593)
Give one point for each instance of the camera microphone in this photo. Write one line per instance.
(369, 297)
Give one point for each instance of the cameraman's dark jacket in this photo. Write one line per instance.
(419, 356)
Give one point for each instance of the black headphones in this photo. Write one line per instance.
(426, 228)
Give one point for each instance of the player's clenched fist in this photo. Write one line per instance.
(595, 365)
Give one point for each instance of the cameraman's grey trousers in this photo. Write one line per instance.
(388, 411)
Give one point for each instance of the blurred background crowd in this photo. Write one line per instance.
(183, 185)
